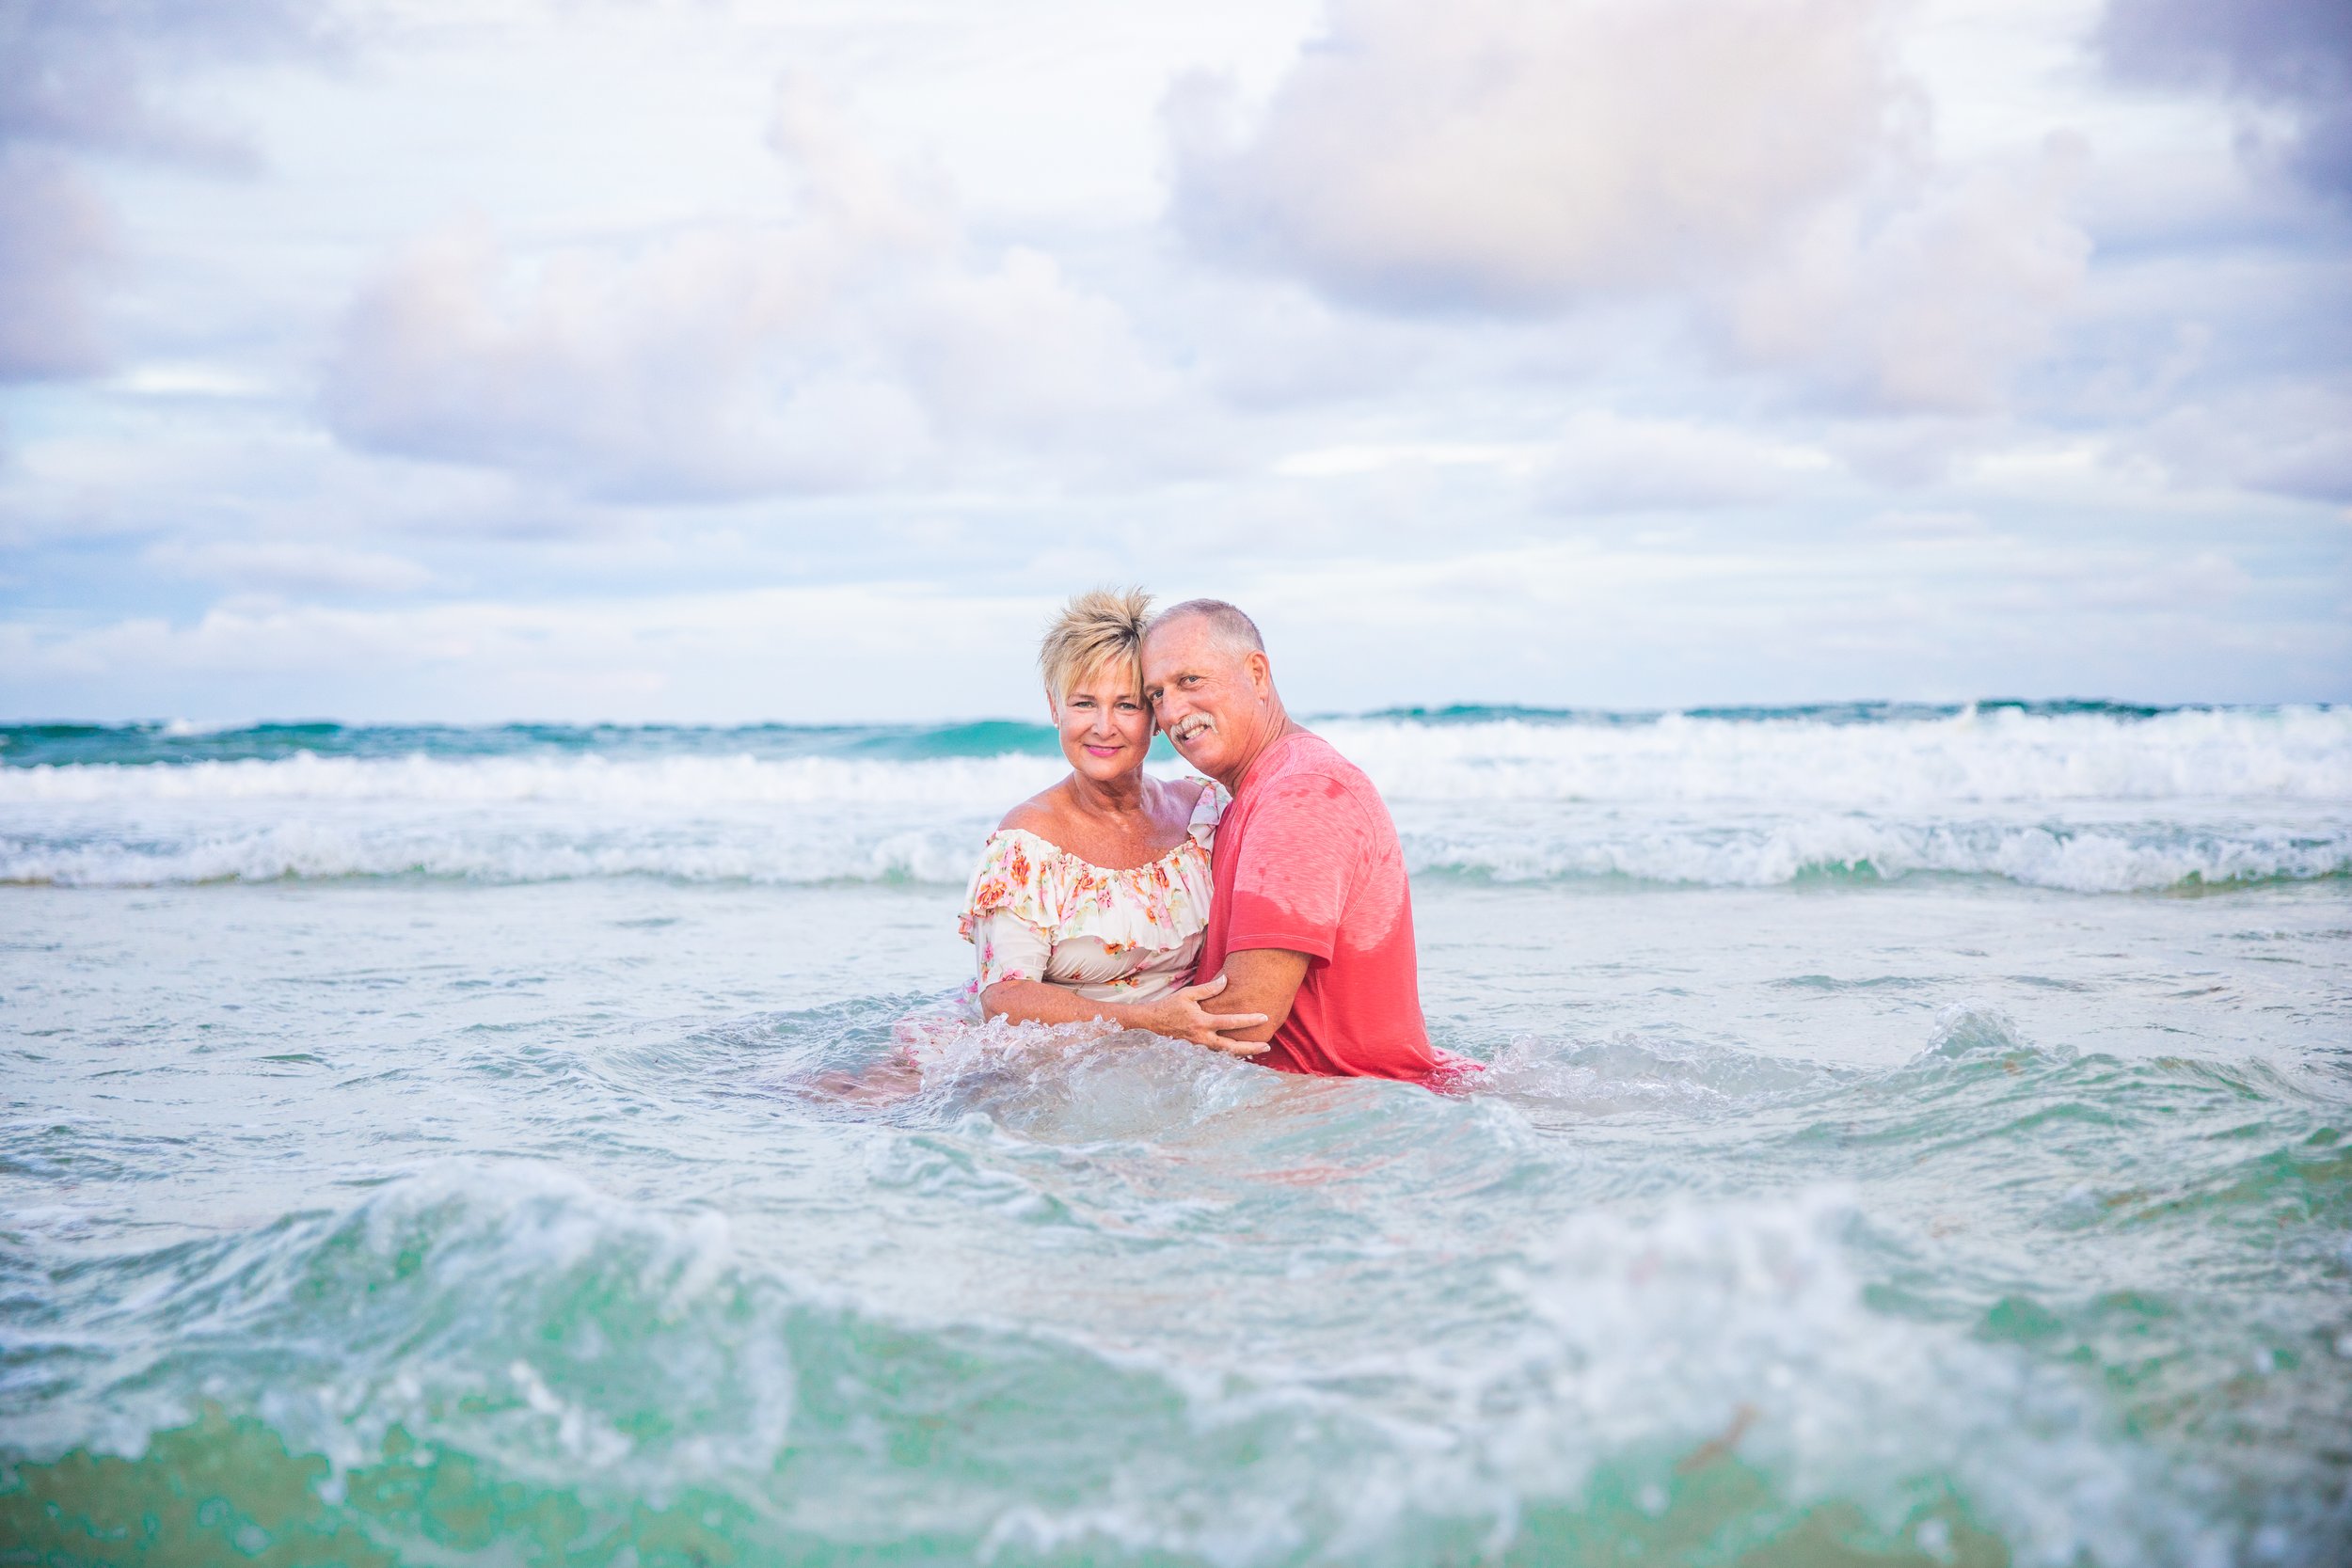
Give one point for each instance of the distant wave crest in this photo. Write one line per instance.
(2126, 858)
(2089, 799)
(1999, 756)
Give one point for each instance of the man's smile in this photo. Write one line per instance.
(1187, 729)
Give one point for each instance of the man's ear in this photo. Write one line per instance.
(1260, 672)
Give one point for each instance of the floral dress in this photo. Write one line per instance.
(1036, 911)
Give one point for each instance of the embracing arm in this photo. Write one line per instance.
(1260, 982)
(1177, 1015)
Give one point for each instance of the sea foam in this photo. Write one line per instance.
(2097, 801)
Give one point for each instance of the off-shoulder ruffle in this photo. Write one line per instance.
(1155, 906)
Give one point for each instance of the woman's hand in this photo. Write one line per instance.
(1179, 1016)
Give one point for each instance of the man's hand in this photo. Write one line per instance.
(1261, 980)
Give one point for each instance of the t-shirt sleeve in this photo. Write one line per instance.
(1306, 842)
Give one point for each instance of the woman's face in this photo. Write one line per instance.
(1105, 728)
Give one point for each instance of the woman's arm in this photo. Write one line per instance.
(1177, 1015)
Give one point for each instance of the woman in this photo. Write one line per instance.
(1090, 897)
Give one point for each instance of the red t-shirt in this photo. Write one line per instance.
(1307, 859)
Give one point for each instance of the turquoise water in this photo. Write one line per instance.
(529, 1204)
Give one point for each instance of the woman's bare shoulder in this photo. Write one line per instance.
(1037, 815)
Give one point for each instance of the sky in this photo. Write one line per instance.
(714, 360)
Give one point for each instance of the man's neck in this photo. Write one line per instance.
(1279, 727)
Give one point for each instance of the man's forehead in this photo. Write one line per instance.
(1187, 641)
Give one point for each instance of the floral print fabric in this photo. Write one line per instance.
(1036, 911)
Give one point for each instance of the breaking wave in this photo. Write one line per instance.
(2089, 799)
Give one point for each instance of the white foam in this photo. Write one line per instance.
(676, 782)
(240, 843)
(2085, 802)
(2003, 755)
(2071, 855)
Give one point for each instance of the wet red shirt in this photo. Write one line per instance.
(1307, 859)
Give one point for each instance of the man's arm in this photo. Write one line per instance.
(1260, 980)
(1178, 1016)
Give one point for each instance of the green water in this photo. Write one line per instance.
(409, 1223)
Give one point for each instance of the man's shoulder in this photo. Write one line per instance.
(1308, 755)
(1310, 772)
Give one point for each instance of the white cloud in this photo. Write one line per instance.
(837, 653)
(291, 566)
(76, 81)
(55, 239)
(2290, 438)
(1605, 463)
(1930, 305)
(1370, 457)
(1762, 161)
(1599, 462)
(170, 379)
(1018, 352)
(704, 365)
(1516, 153)
(856, 343)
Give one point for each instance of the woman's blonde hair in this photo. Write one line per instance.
(1094, 629)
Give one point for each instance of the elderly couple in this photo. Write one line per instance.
(1103, 896)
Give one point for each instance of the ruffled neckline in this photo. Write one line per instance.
(1160, 904)
(1201, 832)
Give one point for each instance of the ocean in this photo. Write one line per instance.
(1912, 1134)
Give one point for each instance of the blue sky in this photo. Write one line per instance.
(708, 361)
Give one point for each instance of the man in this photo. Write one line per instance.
(1312, 921)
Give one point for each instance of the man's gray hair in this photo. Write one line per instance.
(1238, 631)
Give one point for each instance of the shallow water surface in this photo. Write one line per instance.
(543, 1216)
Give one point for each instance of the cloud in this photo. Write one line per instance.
(1576, 620)
(2288, 55)
(1560, 620)
(2289, 437)
(630, 377)
(858, 341)
(1605, 463)
(291, 566)
(73, 82)
(56, 237)
(1514, 154)
(1761, 163)
(837, 653)
(1599, 462)
(1932, 305)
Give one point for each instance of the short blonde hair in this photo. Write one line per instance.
(1094, 629)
